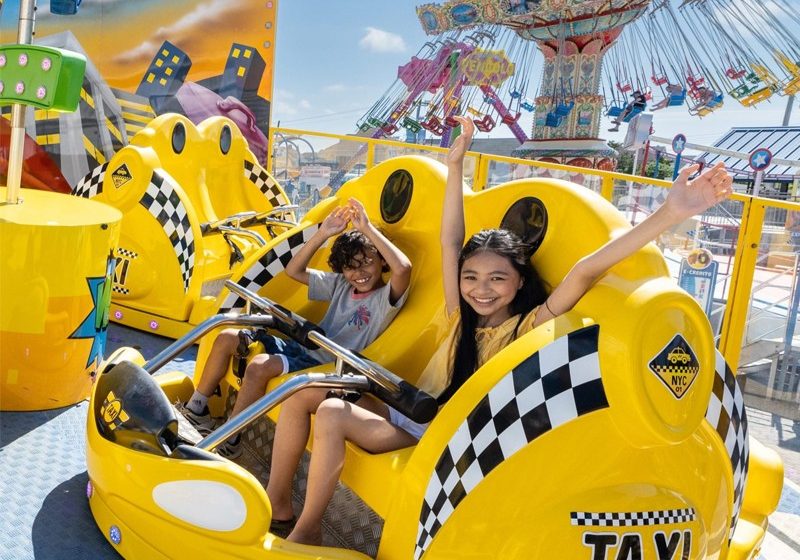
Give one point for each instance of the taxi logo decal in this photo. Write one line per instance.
(112, 412)
(121, 176)
(124, 258)
(676, 366)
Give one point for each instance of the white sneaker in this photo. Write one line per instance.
(230, 450)
(203, 423)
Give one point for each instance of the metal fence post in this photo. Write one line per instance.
(607, 188)
(370, 155)
(734, 322)
(481, 175)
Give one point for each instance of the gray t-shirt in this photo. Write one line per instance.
(352, 320)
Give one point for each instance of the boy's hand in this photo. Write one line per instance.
(358, 215)
(456, 154)
(336, 222)
(687, 198)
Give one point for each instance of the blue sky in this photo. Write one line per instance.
(335, 59)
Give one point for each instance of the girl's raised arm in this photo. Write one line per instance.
(452, 234)
(686, 198)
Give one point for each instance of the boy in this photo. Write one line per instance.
(361, 307)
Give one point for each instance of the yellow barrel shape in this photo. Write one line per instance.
(56, 269)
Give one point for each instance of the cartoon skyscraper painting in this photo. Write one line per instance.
(165, 75)
(243, 72)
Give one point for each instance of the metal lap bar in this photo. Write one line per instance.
(279, 210)
(236, 424)
(244, 233)
(370, 369)
(176, 348)
(234, 220)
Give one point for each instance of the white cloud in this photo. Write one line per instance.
(378, 40)
(335, 88)
(208, 15)
(285, 104)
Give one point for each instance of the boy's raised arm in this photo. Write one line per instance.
(334, 224)
(686, 198)
(399, 264)
(452, 231)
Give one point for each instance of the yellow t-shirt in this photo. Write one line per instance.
(437, 374)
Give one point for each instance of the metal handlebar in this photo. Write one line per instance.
(233, 221)
(244, 233)
(371, 370)
(278, 211)
(159, 360)
(236, 424)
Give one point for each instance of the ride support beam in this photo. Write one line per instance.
(16, 148)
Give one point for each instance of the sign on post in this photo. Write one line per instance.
(760, 159)
(698, 276)
(678, 145)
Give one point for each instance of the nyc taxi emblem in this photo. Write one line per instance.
(112, 412)
(676, 366)
(121, 176)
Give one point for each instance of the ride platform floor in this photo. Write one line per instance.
(44, 513)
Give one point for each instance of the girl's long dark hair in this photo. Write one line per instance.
(531, 293)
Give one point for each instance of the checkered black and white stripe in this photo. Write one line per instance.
(117, 289)
(265, 183)
(126, 253)
(162, 201)
(632, 518)
(557, 384)
(92, 183)
(726, 413)
(269, 266)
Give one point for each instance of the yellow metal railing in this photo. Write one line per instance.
(747, 250)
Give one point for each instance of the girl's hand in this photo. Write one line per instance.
(687, 198)
(336, 222)
(358, 215)
(456, 154)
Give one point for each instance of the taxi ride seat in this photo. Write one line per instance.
(636, 316)
(171, 179)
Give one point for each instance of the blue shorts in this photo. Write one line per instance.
(293, 356)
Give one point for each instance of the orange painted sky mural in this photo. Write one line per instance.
(121, 36)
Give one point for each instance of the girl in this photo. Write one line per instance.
(492, 296)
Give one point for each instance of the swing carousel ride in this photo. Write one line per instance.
(596, 55)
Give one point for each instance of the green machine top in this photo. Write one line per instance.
(45, 77)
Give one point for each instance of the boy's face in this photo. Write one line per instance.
(364, 271)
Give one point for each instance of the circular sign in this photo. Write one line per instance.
(700, 259)
(527, 218)
(396, 196)
(678, 143)
(760, 159)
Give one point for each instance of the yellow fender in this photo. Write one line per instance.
(170, 180)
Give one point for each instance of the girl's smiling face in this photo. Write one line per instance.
(489, 283)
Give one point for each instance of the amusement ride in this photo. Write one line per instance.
(593, 55)
(615, 431)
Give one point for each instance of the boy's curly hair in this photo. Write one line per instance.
(347, 247)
